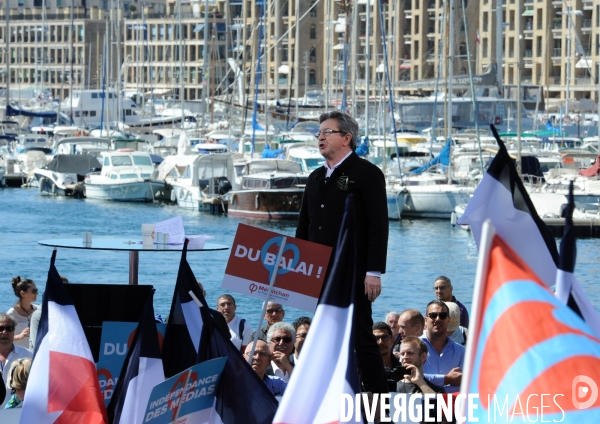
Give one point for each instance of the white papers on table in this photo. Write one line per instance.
(173, 227)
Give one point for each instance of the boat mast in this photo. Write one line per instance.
(499, 39)
(354, 41)
(450, 87)
(181, 78)
(7, 50)
(328, 52)
(367, 67)
(297, 59)
(205, 69)
(71, 59)
(519, 95)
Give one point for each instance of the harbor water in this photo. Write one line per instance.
(418, 252)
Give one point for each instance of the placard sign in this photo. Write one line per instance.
(115, 340)
(108, 374)
(117, 337)
(187, 397)
(300, 274)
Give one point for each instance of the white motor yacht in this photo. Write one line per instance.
(125, 177)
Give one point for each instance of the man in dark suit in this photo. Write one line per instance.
(321, 216)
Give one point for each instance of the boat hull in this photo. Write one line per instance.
(434, 201)
(395, 203)
(266, 204)
(140, 191)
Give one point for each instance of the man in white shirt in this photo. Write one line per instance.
(239, 328)
(9, 352)
(281, 337)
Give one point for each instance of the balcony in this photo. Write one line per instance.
(586, 25)
(557, 25)
(583, 81)
(528, 53)
(557, 52)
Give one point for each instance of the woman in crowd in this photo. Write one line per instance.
(26, 291)
(19, 373)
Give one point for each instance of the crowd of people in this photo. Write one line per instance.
(421, 353)
(408, 352)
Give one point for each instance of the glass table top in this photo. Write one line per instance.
(128, 244)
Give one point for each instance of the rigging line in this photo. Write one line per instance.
(389, 84)
(437, 86)
(473, 101)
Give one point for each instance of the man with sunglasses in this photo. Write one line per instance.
(301, 326)
(445, 357)
(321, 216)
(9, 352)
(281, 339)
(273, 314)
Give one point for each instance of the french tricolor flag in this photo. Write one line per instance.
(63, 385)
(327, 369)
(142, 370)
(501, 197)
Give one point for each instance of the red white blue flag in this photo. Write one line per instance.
(194, 335)
(501, 197)
(142, 370)
(63, 385)
(527, 354)
(326, 370)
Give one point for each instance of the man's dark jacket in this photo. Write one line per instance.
(323, 208)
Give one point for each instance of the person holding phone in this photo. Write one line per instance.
(413, 354)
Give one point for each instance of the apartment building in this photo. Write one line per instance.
(560, 44)
(155, 60)
(52, 7)
(47, 52)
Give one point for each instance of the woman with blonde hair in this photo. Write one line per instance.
(17, 381)
(26, 291)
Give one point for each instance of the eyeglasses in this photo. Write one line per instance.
(278, 339)
(223, 304)
(383, 338)
(440, 288)
(434, 315)
(260, 354)
(7, 328)
(301, 335)
(274, 311)
(328, 132)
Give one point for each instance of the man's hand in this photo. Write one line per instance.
(454, 377)
(372, 287)
(282, 361)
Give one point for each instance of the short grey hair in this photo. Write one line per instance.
(394, 313)
(4, 316)
(281, 326)
(346, 124)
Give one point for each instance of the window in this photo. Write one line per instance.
(121, 160)
(313, 32)
(313, 54)
(313, 11)
(142, 160)
(312, 77)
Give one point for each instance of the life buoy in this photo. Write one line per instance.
(577, 118)
(566, 119)
(497, 120)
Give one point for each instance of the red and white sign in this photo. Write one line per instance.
(300, 274)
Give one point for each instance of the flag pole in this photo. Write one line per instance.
(488, 232)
